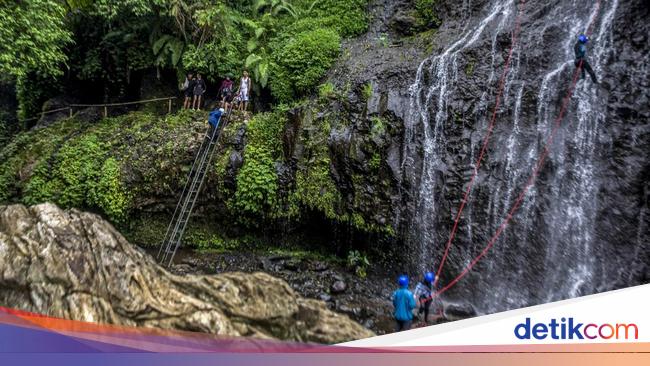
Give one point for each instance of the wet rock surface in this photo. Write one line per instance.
(74, 265)
(367, 300)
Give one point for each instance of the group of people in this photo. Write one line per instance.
(194, 88)
(423, 297)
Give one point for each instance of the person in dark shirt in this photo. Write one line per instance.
(199, 89)
(580, 50)
(226, 92)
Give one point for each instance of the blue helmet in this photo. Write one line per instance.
(403, 280)
(429, 277)
(582, 38)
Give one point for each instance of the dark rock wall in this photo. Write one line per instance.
(582, 227)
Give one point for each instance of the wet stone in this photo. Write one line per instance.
(338, 287)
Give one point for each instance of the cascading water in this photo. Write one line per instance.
(547, 251)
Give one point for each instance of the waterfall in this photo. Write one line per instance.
(547, 251)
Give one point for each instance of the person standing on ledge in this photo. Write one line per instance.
(244, 91)
(188, 90)
(580, 50)
(404, 303)
(199, 89)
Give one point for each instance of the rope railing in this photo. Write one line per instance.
(70, 107)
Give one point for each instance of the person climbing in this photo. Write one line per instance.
(188, 90)
(404, 303)
(580, 50)
(199, 89)
(244, 91)
(225, 92)
(213, 120)
(423, 293)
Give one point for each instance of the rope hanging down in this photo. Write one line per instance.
(486, 140)
(531, 180)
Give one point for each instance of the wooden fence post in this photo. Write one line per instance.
(105, 111)
(70, 112)
(169, 106)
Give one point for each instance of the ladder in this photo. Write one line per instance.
(191, 190)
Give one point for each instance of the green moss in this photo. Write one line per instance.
(257, 181)
(110, 194)
(377, 128)
(206, 239)
(366, 92)
(469, 68)
(326, 91)
(145, 231)
(375, 161)
(315, 188)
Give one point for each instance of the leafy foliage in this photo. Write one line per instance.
(38, 37)
(303, 61)
(358, 262)
(426, 14)
(257, 183)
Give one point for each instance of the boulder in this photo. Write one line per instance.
(74, 265)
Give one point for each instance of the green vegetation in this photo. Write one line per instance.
(77, 165)
(127, 167)
(38, 35)
(469, 68)
(366, 91)
(358, 262)
(326, 91)
(378, 127)
(315, 188)
(426, 14)
(257, 180)
(383, 40)
(287, 45)
(303, 61)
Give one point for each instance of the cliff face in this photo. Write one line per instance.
(74, 265)
(386, 148)
(583, 226)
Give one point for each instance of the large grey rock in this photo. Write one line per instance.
(74, 265)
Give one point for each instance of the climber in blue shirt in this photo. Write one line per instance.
(580, 50)
(213, 119)
(404, 303)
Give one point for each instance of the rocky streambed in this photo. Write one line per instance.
(366, 300)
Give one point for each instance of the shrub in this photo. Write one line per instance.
(303, 61)
(326, 90)
(358, 262)
(426, 14)
(348, 17)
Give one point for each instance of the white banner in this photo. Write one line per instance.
(610, 317)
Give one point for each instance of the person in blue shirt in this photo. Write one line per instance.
(404, 303)
(213, 119)
(580, 50)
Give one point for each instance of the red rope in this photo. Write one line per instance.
(531, 180)
(485, 140)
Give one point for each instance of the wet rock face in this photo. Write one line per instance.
(583, 226)
(74, 265)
